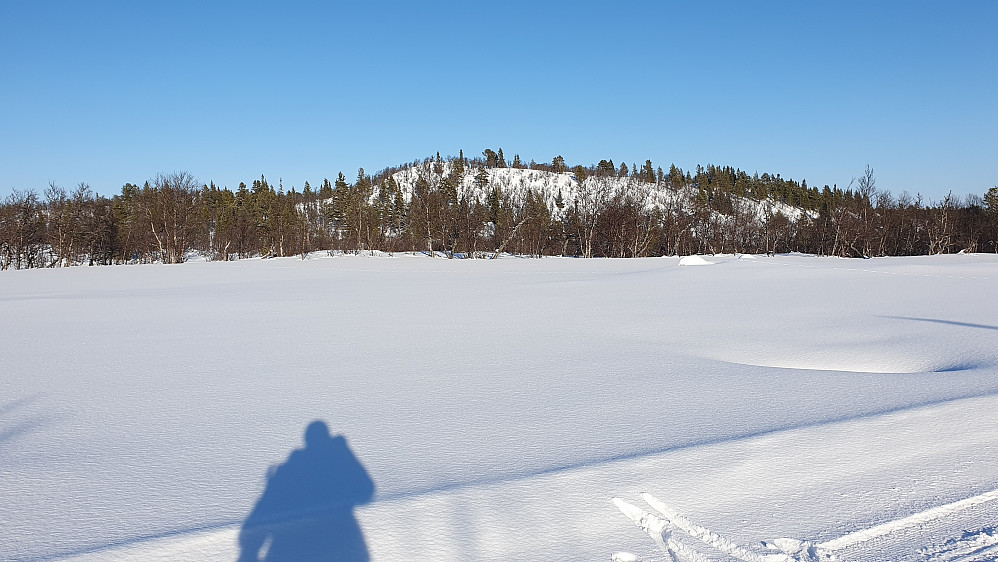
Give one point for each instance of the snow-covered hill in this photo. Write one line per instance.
(552, 187)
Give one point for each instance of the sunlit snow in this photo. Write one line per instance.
(499, 405)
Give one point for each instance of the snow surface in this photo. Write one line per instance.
(499, 405)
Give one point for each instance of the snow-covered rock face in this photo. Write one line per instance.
(565, 187)
(499, 405)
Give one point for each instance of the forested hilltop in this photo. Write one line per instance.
(482, 206)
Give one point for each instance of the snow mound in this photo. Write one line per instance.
(694, 260)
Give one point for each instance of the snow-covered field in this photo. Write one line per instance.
(499, 406)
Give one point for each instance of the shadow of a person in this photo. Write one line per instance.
(306, 511)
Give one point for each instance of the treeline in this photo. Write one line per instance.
(460, 206)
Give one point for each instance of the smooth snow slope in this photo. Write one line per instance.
(497, 405)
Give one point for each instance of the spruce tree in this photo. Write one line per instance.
(991, 201)
(648, 172)
(448, 188)
(422, 187)
(482, 178)
(337, 212)
(676, 179)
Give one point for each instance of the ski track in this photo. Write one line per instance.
(917, 520)
(892, 540)
(841, 543)
(216, 542)
(971, 546)
(951, 532)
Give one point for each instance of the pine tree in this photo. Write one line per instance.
(502, 160)
(491, 158)
(558, 164)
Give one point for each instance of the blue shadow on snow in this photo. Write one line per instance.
(939, 321)
(306, 510)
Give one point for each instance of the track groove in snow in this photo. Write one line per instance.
(976, 546)
(916, 520)
(524, 477)
(216, 536)
(971, 546)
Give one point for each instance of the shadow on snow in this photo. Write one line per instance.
(15, 430)
(948, 322)
(306, 511)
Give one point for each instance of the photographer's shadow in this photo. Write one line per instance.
(306, 511)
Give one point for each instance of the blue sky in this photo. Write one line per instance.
(114, 92)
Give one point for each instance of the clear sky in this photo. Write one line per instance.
(113, 92)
